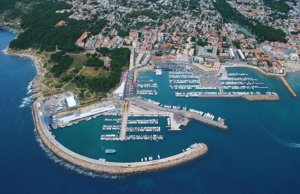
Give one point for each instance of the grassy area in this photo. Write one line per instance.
(91, 72)
(78, 60)
(67, 66)
(71, 71)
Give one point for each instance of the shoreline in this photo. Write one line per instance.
(29, 54)
(10, 27)
(112, 168)
(259, 70)
(280, 76)
(36, 85)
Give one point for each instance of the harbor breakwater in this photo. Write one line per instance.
(114, 168)
(281, 76)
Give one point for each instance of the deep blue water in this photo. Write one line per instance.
(260, 153)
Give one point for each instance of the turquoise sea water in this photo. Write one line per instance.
(259, 154)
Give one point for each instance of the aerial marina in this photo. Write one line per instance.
(149, 107)
(140, 116)
(187, 84)
(181, 96)
(144, 118)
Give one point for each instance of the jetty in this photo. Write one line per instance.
(114, 168)
(249, 97)
(282, 78)
(180, 113)
(124, 121)
(288, 86)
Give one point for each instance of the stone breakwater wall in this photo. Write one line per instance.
(113, 168)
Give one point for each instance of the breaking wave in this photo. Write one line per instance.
(27, 101)
(69, 166)
(29, 87)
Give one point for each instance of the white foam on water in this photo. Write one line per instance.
(69, 166)
(26, 102)
(281, 141)
(286, 143)
(29, 87)
(5, 51)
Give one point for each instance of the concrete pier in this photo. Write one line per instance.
(137, 109)
(182, 113)
(124, 121)
(123, 127)
(287, 85)
(249, 97)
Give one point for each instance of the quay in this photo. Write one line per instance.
(124, 121)
(273, 97)
(139, 109)
(114, 168)
(288, 86)
(148, 107)
(123, 127)
(249, 97)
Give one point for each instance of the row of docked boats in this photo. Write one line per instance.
(149, 158)
(110, 137)
(147, 92)
(183, 76)
(196, 94)
(117, 120)
(147, 85)
(191, 87)
(248, 83)
(183, 81)
(205, 115)
(143, 121)
(143, 129)
(145, 137)
(237, 74)
(111, 127)
(244, 87)
(238, 79)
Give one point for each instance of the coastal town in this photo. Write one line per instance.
(191, 44)
(193, 34)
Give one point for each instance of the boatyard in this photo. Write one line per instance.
(68, 118)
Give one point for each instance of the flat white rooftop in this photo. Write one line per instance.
(67, 119)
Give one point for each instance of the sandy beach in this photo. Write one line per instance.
(292, 66)
(258, 69)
